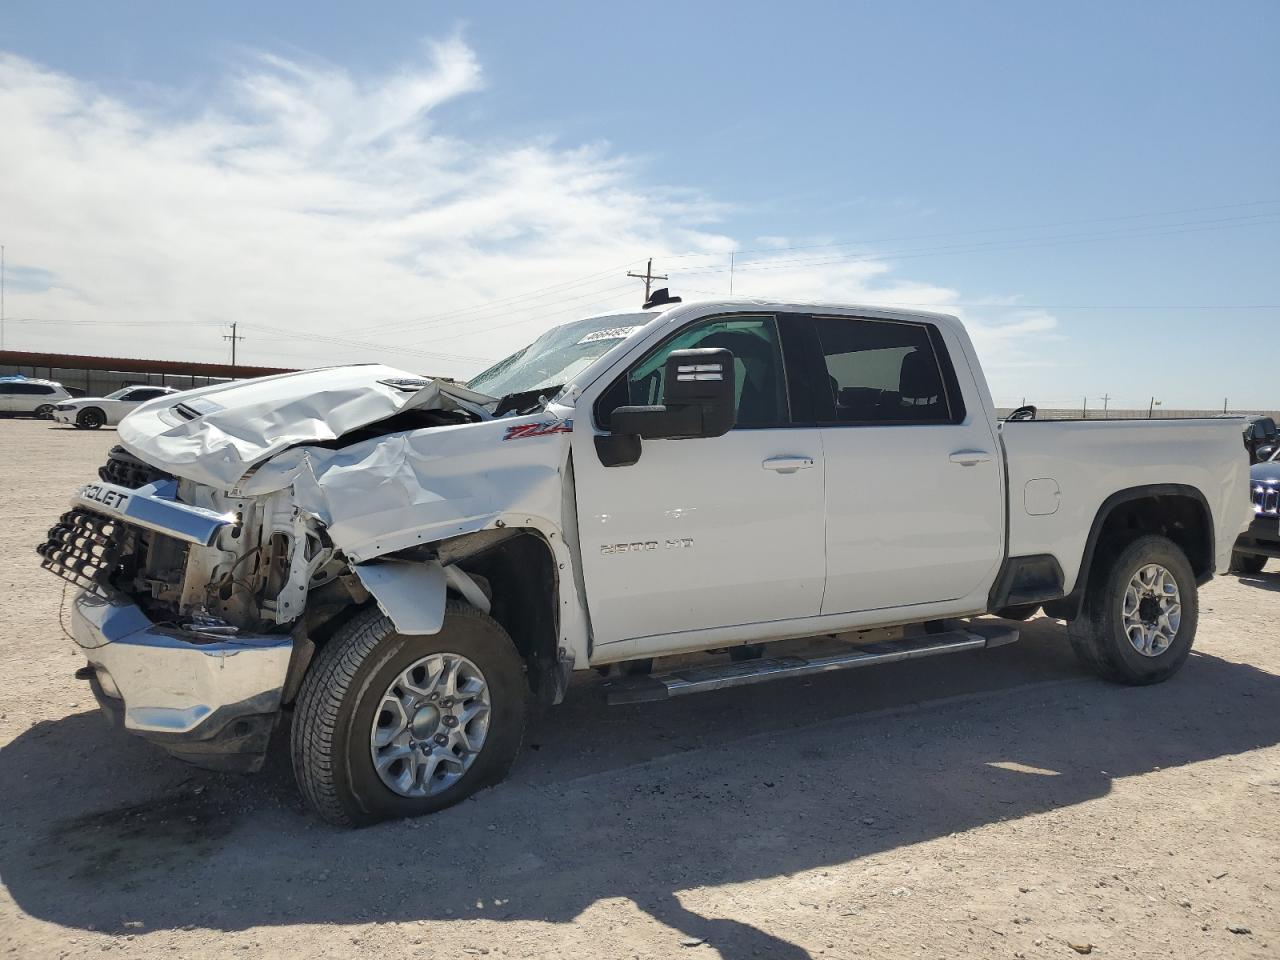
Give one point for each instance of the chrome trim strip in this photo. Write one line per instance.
(154, 507)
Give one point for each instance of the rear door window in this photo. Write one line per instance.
(876, 371)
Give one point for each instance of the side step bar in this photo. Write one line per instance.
(960, 636)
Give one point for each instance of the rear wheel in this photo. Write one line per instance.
(389, 725)
(1139, 615)
(44, 411)
(1247, 563)
(90, 418)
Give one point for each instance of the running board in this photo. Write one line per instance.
(960, 636)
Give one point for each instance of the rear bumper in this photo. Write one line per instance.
(1262, 538)
(212, 701)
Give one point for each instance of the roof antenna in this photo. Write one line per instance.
(661, 297)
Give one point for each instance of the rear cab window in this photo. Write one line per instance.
(882, 372)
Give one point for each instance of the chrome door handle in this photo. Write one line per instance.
(967, 458)
(787, 464)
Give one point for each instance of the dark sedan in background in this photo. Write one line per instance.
(1262, 539)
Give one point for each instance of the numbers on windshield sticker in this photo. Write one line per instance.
(613, 333)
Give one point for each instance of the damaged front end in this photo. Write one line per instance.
(285, 504)
(191, 605)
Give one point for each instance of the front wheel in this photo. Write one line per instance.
(1139, 616)
(389, 725)
(91, 419)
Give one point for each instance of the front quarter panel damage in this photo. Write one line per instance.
(404, 490)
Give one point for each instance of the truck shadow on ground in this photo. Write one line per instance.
(639, 802)
(1262, 581)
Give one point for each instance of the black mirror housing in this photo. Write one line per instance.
(699, 399)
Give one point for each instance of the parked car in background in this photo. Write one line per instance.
(1262, 539)
(90, 413)
(1260, 438)
(31, 397)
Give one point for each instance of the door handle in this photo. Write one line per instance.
(787, 464)
(967, 458)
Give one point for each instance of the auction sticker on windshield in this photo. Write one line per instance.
(612, 333)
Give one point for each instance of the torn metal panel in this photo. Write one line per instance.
(412, 594)
(403, 490)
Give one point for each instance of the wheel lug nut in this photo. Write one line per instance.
(441, 738)
(450, 721)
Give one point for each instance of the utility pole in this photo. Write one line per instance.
(1084, 409)
(732, 256)
(1106, 398)
(1, 296)
(1152, 406)
(233, 337)
(648, 277)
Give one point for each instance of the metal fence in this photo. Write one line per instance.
(97, 383)
(1082, 412)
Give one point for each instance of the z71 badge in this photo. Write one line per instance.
(544, 429)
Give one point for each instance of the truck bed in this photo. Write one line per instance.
(1060, 472)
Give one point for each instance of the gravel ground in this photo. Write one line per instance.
(995, 804)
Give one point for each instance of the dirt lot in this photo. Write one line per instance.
(998, 804)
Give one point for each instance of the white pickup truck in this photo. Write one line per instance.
(405, 563)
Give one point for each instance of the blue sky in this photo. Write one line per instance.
(1072, 180)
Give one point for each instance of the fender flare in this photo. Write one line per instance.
(1068, 607)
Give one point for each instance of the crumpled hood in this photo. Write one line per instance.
(216, 434)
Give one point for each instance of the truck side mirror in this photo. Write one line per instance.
(698, 400)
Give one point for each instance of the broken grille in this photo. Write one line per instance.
(85, 548)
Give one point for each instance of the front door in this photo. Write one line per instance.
(914, 493)
(703, 533)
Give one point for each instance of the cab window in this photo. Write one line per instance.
(761, 381)
(883, 372)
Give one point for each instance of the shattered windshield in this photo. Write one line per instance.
(558, 356)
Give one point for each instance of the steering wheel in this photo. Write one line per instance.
(1023, 413)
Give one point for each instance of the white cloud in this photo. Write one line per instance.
(311, 201)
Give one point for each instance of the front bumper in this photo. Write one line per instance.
(65, 416)
(210, 700)
(1262, 538)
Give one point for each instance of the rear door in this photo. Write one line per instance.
(703, 533)
(913, 488)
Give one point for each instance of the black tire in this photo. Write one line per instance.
(1023, 611)
(44, 411)
(341, 694)
(1247, 563)
(1097, 634)
(90, 418)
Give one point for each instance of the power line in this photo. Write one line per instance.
(962, 233)
(999, 245)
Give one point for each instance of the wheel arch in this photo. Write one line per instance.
(1174, 510)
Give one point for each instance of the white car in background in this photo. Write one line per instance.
(90, 413)
(32, 397)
